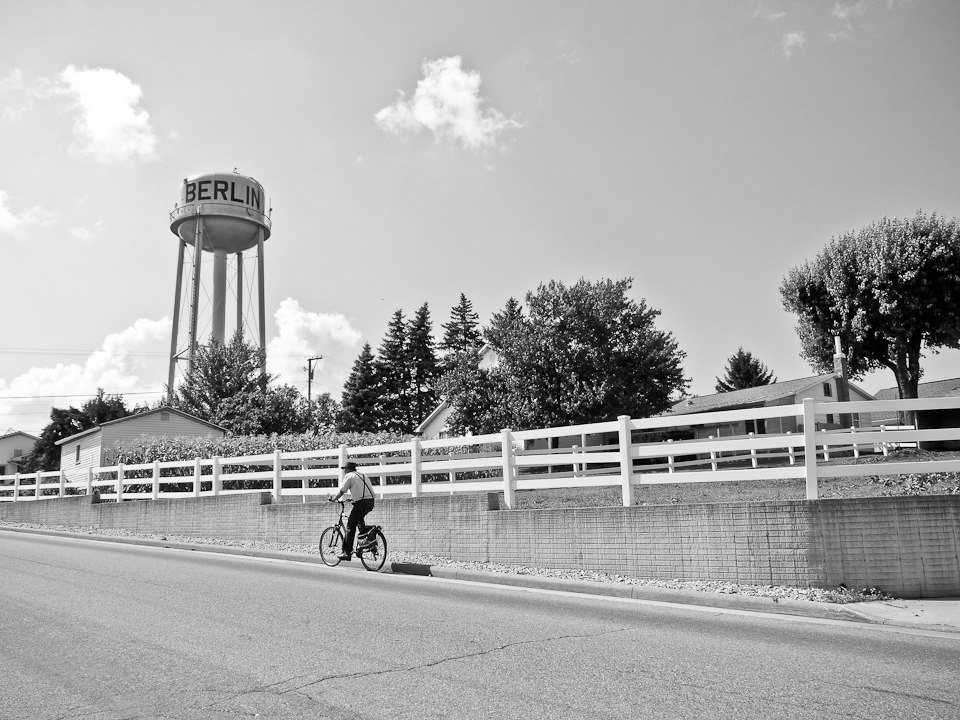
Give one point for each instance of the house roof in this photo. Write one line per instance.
(443, 405)
(748, 397)
(935, 389)
(18, 432)
(137, 416)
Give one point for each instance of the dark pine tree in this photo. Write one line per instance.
(393, 371)
(424, 370)
(359, 401)
(744, 371)
(462, 335)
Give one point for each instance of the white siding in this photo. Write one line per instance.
(9, 446)
(89, 456)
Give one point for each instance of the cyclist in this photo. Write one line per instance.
(362, 495)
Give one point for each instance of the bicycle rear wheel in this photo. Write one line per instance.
(331, 545)
(374, 555)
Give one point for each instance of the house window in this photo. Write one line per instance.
(78, 453)
(827, 390)
(830, 418)
(164, 416)
(3, 469)
(17, 452)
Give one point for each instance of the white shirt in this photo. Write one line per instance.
(354, 482)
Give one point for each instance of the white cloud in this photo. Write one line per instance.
(111, 127)
(447, 103)
(87, 233)
(18, 224)
(791, 42)
(304, 334)
(845, 12)
(766, 13)
(133, 360)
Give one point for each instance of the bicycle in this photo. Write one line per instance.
(371, 547)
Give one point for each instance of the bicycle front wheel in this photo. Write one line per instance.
(375, 555)
(331, 545)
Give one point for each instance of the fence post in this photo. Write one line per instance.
(196, 477)
(671, 462)
(120, 482)
(16, 486)
(415, 467)
(506, 451)
(216, 487)
(89, 481)
(304, 481)
(713, 458)
(63, 483)
(277, 476)
(826, 447)
(156, 479)
(36, 490)
(791, 451)
(753, 451)
(883, 445)
(856, 448)
(576, 465)
(383, 474)
(626, 464)
(810, 447)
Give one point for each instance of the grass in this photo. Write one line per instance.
(769, 490)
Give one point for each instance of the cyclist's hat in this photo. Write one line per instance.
(349, 465)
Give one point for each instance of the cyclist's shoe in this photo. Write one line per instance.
(344, 556)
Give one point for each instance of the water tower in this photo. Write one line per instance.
(222, 215)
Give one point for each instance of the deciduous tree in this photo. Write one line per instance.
(889, 291)
(577, 354)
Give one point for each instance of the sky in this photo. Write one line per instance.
(414, 151)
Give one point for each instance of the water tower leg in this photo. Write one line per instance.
(240, 291)
(219, 294)
(176, 320)
(195, 295)
(263, 320)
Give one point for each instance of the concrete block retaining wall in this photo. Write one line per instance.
(909, 546)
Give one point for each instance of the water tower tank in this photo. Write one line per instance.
(233, 209)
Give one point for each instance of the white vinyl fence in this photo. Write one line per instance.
(615, 453)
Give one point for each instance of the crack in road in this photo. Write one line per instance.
(452, 658)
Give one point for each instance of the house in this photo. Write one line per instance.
(88, 449)
(13, 446)
(830, 387)
(927, 419)
(435, 424)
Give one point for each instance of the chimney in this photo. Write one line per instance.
(843, 387)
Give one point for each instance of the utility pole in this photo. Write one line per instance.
(309, 369)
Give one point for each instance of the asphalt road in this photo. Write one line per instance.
(101, 631)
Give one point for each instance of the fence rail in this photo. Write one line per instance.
(612, 453)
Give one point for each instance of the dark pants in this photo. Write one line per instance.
(360, 510)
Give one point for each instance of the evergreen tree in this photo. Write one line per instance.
(462, 334)
(360, 405)
(224, 383)
(744, 371)
(424, 370)
(394, 375)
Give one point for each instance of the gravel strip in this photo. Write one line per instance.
(840, 595)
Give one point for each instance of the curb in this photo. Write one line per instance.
(802, 608)
(658, 594)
